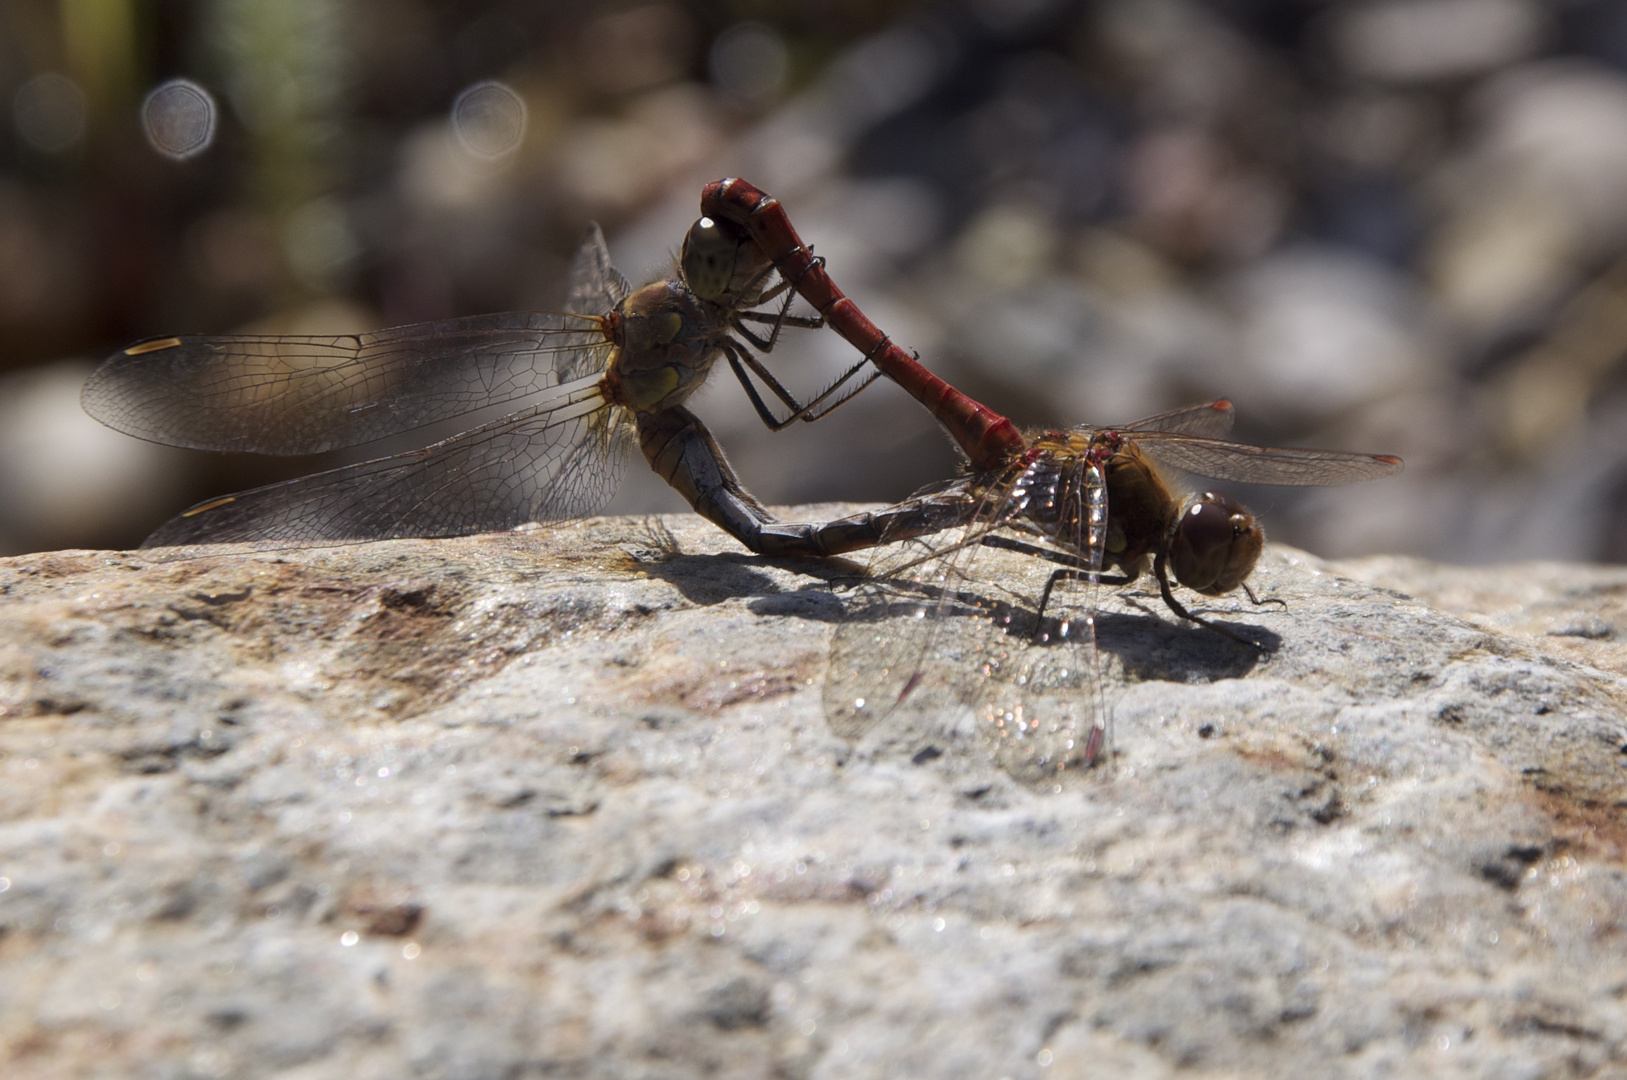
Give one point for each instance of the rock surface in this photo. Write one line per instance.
(565, 804)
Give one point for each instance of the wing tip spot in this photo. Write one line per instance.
(212, 504)
(155, 345)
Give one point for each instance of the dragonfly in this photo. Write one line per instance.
(1072, 504)
(579, 389)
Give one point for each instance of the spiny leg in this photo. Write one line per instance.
(740, 358)
(778, 319)
(741, 355)
(806, 413)
(1161, 572)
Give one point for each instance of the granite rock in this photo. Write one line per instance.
(565, 803)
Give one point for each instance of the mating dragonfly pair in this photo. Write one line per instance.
(582, 386)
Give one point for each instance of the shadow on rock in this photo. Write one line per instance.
(712, 579)
(1153, 649)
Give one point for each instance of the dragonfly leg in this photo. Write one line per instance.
(811, 414)
(1161, 572)
(740, 358)
(1075, 568)
(800, 322)
(1257, 602)
(739, 352)
(778, 319)
(769, 294)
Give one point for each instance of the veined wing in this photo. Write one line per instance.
(287, 394)
(945, 625)
(1223, 460)
(556, 460)
(303, 394)
(1045, 705)
(1212, 419)
(595, 288)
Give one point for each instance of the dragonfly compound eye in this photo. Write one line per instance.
(708, 258)
(1216, 545)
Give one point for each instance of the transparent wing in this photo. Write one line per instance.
(945, 625)
(1041, 705)
(1044, 706)
(878, 657)
(1192, 439)
(595, 286)
(1225, 460)
(306, 394)
(1212, 419)
(552, 461)
(297, 394)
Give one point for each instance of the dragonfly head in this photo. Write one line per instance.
(1216, 544)
(718, 258)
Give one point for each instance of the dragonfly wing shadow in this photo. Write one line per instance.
(706, 580)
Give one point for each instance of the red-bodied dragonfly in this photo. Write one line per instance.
(580, 387)
(1070, 504)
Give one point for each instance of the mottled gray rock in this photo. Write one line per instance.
(565, 804)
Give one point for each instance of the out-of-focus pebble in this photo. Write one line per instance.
(64, 478)
(1324, 331)
(1406, 41)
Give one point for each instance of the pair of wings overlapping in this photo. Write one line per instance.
(558, 453)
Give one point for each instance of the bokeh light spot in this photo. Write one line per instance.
(49, 112)
(178, 118)
(320, 243)
(749, 61)
(489, 120)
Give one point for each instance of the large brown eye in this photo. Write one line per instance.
(1215, 545)
(708, 259)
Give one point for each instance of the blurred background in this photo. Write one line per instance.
(1395, 226)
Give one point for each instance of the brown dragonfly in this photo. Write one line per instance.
(578, 388)
(1071, 504)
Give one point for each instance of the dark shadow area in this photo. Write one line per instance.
(1157, 649)
(712, 579)
(1149, 646)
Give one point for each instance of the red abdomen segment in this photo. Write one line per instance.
(988, 438)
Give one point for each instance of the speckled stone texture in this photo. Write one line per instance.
(565, 804)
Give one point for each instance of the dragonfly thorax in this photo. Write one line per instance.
(1051, 494)
(667, 341)
(1140, 509)
(1062, 475)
